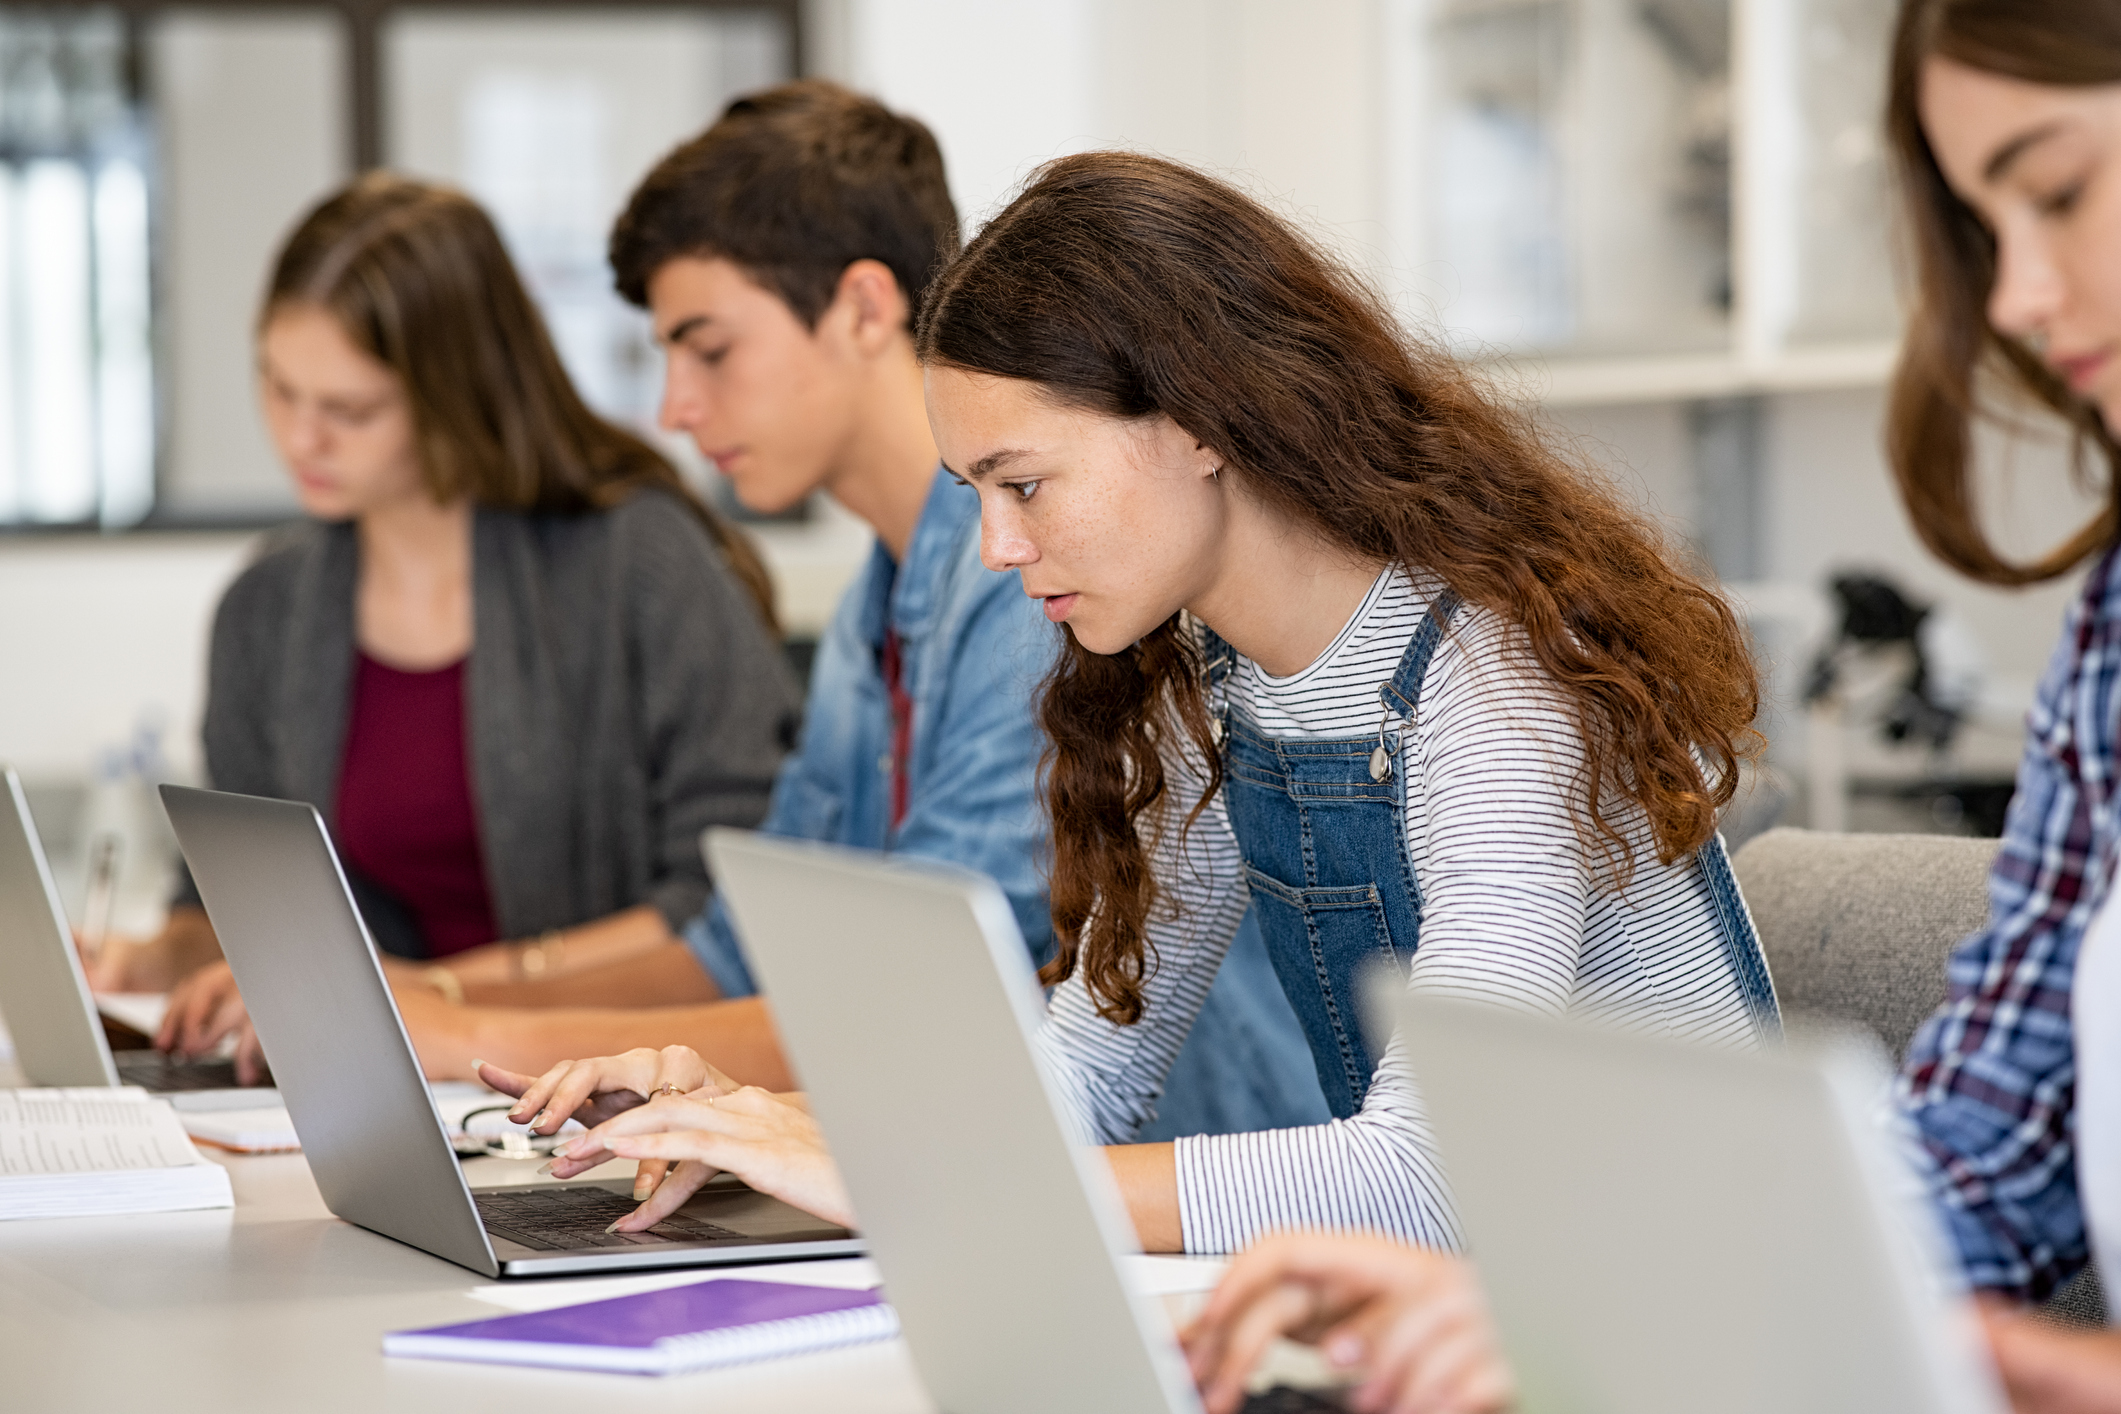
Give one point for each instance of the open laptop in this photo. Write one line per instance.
(51, 1015)
(1666, 1229)
(904, 994)
(379, 1150)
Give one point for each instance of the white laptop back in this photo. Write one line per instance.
(1664, 1229)
(907, 1003)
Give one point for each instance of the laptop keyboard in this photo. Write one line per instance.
(157, 1070)
(564, 1219)
(1283, 1400)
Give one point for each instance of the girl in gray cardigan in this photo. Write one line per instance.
(512, 660)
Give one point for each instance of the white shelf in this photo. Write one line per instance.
(1577, 382)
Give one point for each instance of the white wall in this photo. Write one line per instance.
(1284, 97)
(99, 634)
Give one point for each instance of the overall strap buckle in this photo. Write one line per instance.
(1221, 659)
(1402, 695)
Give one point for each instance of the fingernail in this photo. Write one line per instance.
(538, 1118)
(614, 1225)
(546, 1167)
(476, 1065)
(641, 1189)
(1345, 1350)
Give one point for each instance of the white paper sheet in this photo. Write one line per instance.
(265, 1130)
(1174, 1276)
(850, 1273)
(1156, 1276)
(140, 1010)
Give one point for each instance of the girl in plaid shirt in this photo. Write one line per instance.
(2005, 123)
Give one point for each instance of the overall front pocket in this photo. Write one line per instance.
(1322, 941)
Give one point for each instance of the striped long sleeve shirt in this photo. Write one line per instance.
(1517, 912)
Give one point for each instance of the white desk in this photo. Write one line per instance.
(277, 1305)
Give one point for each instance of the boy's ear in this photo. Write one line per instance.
(869, 298)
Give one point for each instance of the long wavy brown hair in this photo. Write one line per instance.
(1134, 287)
(417, 277)
(1951, 350)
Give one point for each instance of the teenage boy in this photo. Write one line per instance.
(782, 255)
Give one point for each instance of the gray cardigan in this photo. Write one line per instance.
(622, 695)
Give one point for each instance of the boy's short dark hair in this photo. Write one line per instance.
(794, 184)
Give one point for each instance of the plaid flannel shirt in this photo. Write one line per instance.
(1986, 1096)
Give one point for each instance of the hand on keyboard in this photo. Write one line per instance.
(563, 1219)
(1412, 1322)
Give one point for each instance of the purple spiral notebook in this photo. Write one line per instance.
(720, 1322)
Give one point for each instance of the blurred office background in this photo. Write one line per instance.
(1664, 224)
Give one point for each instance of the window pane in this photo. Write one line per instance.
(59, 480)
(73, 273)
(125, 391)
(1577, 192)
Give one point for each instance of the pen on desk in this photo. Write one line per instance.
(102, 892)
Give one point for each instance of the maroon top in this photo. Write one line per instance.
(901, 726)
(406, 817)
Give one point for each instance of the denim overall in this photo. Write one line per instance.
(1320, 826)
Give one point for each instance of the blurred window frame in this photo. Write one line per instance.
(364, 22)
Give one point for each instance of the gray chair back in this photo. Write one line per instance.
(1858, 927)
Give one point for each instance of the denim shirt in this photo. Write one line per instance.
(973, 649)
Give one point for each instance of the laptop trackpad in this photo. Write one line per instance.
(728, 1203)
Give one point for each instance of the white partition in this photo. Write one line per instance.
(250, 111)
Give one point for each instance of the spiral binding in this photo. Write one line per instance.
(766, 1339)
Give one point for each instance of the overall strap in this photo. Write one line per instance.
(1402, 695)
(1221, 658)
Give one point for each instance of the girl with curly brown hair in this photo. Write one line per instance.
(1344, 639)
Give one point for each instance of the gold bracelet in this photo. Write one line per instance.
(534, 960)
(445, 982)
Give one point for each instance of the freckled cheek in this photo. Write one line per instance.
(1108, 546)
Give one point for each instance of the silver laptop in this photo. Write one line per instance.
(904, 994)
(351, 1080)
(52, 1019)
(1666, 1229)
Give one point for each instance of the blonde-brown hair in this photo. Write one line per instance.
(417, 277)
